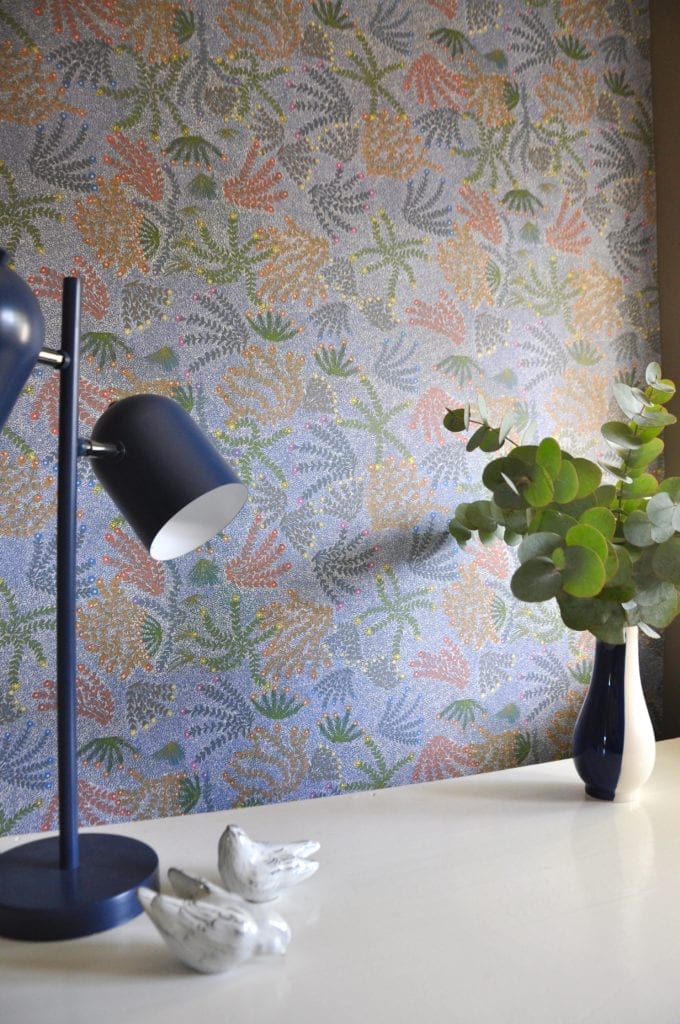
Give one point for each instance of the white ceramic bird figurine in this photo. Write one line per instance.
(209, 938)
(273, 932)
(259, 871)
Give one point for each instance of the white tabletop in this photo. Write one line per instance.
(506, 897)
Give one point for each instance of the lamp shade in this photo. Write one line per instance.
(22, 332)
(170, 483)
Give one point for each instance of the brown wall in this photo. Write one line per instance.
(665, 35)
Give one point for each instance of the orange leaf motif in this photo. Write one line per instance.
(434, 83)
(566, 234)
(301, 628)
(441, 758)
(254, 189)
(443, 318)
(110, 224)
(272, 768)
(66, 14)
(481, 214)
(94, 698)
(270, 28)
(256, 566)
(429, 413)
(294, 269)
(134, 564)
(391, 149)
(448, 666)
(137, 166)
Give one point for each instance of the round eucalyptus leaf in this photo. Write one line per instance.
(660, 509)
(671, 486)
(637, 530)
(585, 536)
(536, 545)
(549, 520)
(662, 392)
(507, 497)
(654, 417)
(459, 532)
(589, 476)
(620, 435)
(507, 423)
(658, 605)
(454, 420)
(652, 373)
(630, 400)
(549, 456)
(584, 573)
(491, 442)
(643, 486)
(481, 515)
(645, 454)
(601, 518)
(536, 580)
(604, 495)
(524, 453)
(539, 491)
(496, 471)
(604, 619)
(476, 439)
(620, 472)
(566, 483)
(666, 560)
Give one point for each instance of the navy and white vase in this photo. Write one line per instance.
(614, 742)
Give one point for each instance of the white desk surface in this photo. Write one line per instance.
(503, 898)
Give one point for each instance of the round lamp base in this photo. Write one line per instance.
(41, 902)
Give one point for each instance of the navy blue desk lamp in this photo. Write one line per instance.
(177, 492)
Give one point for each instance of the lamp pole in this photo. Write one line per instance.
(69, 847)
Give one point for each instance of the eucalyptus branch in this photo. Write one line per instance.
(608, 553)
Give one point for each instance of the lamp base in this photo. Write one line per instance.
(41, 902)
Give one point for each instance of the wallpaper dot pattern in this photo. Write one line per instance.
(316, 226)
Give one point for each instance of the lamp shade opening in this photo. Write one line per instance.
(171, 484)
(22, 333)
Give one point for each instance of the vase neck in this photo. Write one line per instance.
(630, 636)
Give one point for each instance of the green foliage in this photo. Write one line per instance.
(378, 775)
(521, 201)
(192, 149)
(331, 14)
(573, 47)
(338, 728)
(274, 327)
(333, 362)
(453, 40)
(464, 711)
(609, 554)
(107, 752)
(190, 793)
(8, 822)
(277, 704)
(103, 347)
(616, 82)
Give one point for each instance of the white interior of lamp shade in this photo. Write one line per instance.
(198, 521)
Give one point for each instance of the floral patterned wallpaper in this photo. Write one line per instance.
(316, 225)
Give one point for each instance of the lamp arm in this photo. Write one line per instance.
(110, 450)
(53, 357)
